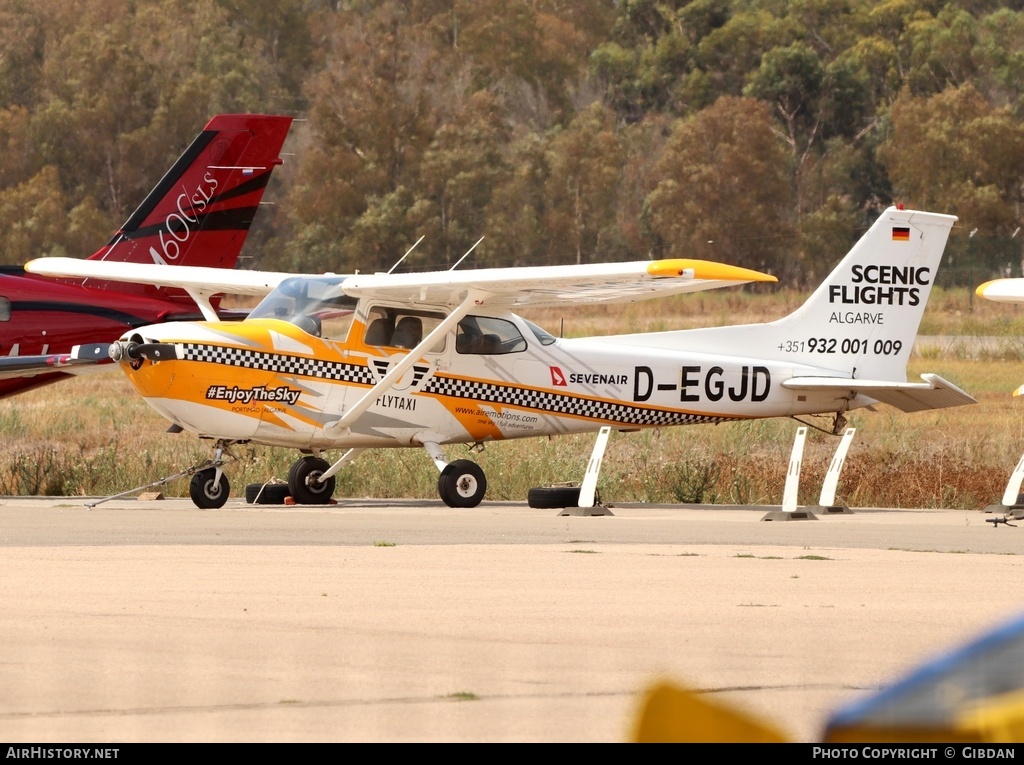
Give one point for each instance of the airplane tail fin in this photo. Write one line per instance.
(855, 333)
(863, 319)
(200, 212)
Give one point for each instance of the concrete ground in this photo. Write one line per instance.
(410, 621)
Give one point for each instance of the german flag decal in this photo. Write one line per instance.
(900, 234)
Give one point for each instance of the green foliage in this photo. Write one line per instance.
(563, 131)
(725, 192)
(981, 148)
(696, 481)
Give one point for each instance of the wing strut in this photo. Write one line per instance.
(336, 429)
(346, 458)
(202, 299)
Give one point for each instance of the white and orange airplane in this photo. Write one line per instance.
(428, 359)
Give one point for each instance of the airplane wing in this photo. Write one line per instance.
(211, 280)
(933, 393)
(200, 282)
(541, 286)
(537, 286)
(1003, 290)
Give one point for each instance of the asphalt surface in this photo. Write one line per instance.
(410, 621)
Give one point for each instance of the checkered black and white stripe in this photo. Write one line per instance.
(556, 403)
(301, 366)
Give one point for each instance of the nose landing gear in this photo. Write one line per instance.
(209, 490)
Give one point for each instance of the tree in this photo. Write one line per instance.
(953, 152)
(586, 165)
(375, 110)
(516, 235)
(791, 78)
(31, 218)
(725, 193)
(460, 171)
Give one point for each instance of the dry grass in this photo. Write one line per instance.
(94, 436)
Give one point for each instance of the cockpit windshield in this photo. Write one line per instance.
(315, 304)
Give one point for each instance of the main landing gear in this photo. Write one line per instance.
(306, 484)
(462, 483)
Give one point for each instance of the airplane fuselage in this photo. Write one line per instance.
(267, 381)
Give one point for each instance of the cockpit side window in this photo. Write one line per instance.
(5, 309)
(317, 306)
(486, 335)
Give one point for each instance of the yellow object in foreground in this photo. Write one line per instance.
(671, 714)
(973, 695)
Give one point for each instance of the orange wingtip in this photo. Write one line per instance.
(706, 270)
(980, 291)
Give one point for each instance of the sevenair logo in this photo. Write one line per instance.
(236, 395)
(176, 229)
(557, 378)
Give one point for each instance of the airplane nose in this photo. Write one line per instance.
(134, 350)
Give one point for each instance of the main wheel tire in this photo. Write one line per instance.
(266, 493)
(304, 481)
(462, 484)
(554, 496)
(207, 493)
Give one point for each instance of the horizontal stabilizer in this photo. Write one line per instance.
(933, 393)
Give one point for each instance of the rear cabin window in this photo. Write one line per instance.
(486, 335)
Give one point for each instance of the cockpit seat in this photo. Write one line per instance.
(408, 332)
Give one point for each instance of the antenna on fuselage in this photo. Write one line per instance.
(406, 253)
(466, 255)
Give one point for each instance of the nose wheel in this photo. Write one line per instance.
(207, 491)
(462, 483)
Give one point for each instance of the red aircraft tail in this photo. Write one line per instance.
(200, 212)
